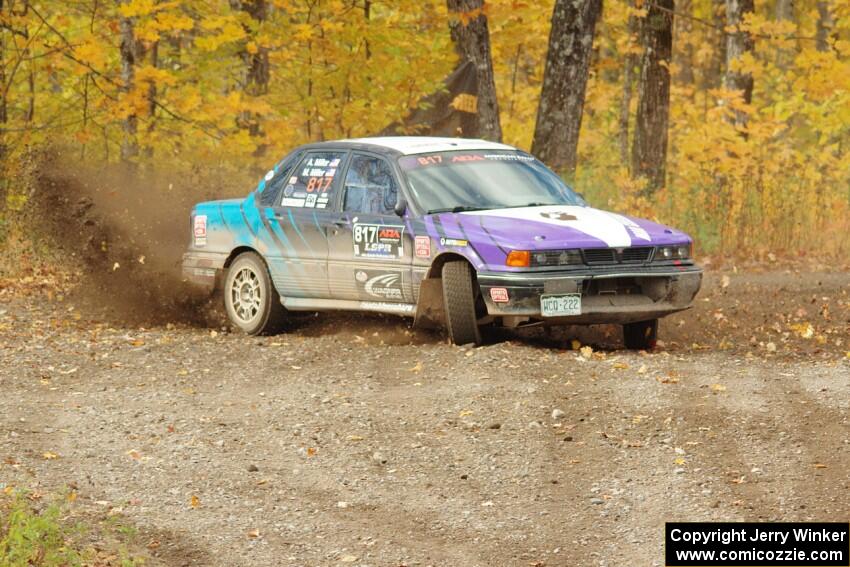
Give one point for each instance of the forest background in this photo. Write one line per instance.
(727, 118)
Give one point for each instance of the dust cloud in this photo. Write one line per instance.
(125, 230)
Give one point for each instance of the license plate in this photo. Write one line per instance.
(560, 305)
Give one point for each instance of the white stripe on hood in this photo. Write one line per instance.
(607, 227)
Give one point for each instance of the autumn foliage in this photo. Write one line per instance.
(232, 85)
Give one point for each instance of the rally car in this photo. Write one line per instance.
(454, 232)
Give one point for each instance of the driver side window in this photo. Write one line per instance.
(370, 186)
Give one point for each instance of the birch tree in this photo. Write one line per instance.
(559, 112)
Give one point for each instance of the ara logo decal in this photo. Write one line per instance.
(383, 285)
(558, 215)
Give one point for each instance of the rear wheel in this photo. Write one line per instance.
(641, 335)
(459, 300)
(252, 302)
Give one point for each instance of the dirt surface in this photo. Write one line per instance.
(355, 440)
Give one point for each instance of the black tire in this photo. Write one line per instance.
(459, 301)
(641, 335)
(250, 299)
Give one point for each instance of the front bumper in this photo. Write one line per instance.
(609, 295)
(201, 269)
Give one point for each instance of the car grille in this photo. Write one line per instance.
(631, 255)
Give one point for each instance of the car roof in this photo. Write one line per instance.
(411, 145)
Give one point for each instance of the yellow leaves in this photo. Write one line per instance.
(194, 502)
(136, 8)
(92, 52)
(50, 456)
(718, 388)
(302, 32)
(803, 330)
(228, 30)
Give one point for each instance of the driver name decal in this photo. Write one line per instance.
(378, 241)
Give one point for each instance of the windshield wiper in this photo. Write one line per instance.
(458, 209)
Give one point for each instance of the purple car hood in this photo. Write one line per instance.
(558, 226)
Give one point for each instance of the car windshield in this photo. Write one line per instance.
(480, 180)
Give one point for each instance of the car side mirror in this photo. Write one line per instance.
(400, 207)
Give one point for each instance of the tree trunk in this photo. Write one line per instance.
(649, 149)
(738, 42)
(152, 94)
(825, 26)
(784, 13)
(684, 55)
(784, 10)
(471, 36)
(629, 63)
(564, 82)
(713, 77)
(129, 52)
(4, 178)
(256, 82)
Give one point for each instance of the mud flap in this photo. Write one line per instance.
(430, 311)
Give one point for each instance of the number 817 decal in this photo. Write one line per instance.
(378, 241)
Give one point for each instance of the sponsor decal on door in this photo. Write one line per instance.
(378, 241)
(382, 285)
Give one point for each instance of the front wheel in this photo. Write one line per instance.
(641, 335)
(459, 300)
(252, 303)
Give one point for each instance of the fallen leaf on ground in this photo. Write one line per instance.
(805, 330)
(718, 388)
(255, 533)
(194, 501)
(49, 456)
(819, 466)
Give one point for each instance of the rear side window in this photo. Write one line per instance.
(312, 183)
(274, 186)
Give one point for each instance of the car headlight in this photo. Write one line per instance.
(556, 258)
(678, 252)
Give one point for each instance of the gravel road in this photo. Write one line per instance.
(358, 441)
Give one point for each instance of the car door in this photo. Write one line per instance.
(370, 248)
(295, 225)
